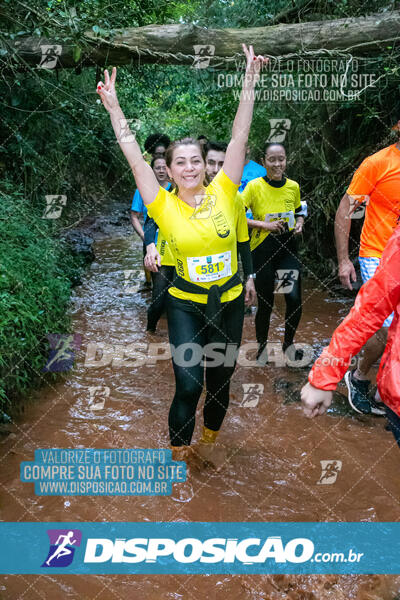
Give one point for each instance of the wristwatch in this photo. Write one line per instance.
(251, 276)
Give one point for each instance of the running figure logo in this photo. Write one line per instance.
(102, 392)
(330, 471)
(286, 279)
(279, 129)
(62, 547)
(204, 206)
(203, 54)
(251, 394)
(128, 129)
(54, 206)
(50, 54)
(358, 204)
(62, 352)
(131, 281)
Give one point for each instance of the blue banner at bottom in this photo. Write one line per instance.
(199, 548)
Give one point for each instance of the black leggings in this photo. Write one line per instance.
(276, 252)
(187, 324)
(161, 282)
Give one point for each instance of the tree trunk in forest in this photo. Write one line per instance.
(175, 44)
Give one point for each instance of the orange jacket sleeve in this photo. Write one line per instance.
(375, 301)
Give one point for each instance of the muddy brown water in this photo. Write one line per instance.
(274, 452)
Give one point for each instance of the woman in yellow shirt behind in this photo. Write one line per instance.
(206, 303)
(278, 216)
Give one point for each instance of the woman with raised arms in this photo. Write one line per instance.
(206, 303)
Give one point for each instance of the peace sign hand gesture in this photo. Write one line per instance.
(254, 63)
(107, 91)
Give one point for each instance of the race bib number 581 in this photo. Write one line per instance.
(209, 268)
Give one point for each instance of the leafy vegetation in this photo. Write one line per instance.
(35, 282)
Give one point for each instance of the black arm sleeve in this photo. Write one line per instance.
(150, 230)
(245, 256)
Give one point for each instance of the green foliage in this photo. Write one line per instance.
(35, 275)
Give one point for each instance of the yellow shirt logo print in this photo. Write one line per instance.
(221, 225)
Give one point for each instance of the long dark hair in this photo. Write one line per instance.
(169, 154)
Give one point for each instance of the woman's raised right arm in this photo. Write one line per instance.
(146, 181)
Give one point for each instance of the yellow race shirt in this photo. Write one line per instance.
(202, 239)
(268, 203)
(242, 230)
(167, 258)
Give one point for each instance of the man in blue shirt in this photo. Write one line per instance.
(139, 209)
(251, 170)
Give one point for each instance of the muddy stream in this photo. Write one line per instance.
(274, 452)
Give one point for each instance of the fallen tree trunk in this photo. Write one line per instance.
(176, 44)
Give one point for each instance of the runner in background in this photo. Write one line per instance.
(203, 140)
(138, 208)
(156, 144)
(278, 216)
(215, 156)
(251, 170)
(376, 183)
(206, 303)
(377, 299)
(154, 241)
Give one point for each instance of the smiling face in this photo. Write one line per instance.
(187, 167)
(160, 170)
(275, 161)
(214, 162)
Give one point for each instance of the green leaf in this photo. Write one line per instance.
(77, 53)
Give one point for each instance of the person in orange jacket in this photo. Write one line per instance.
(378, 298)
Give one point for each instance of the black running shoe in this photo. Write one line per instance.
(358, 394)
